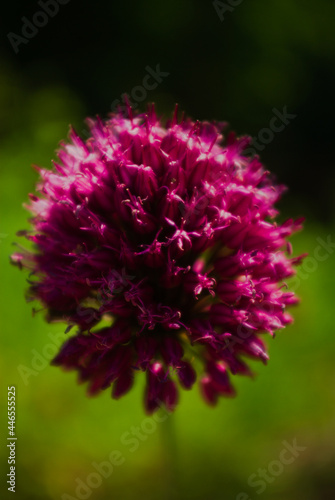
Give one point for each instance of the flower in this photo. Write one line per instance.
(167, 236)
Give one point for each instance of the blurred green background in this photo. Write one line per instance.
(261, 56)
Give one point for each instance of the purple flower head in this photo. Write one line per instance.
(167, 235)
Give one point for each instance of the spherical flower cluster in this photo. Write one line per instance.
(159, 244)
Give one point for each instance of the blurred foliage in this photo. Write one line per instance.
(264, 55)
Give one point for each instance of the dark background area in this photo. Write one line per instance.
(262, 55)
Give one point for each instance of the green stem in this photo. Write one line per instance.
(170, 457)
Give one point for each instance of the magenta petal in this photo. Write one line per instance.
(172, 351)
(170, 395)
(219, 378)
(208, 391)
(186, 375)
(123, 384)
